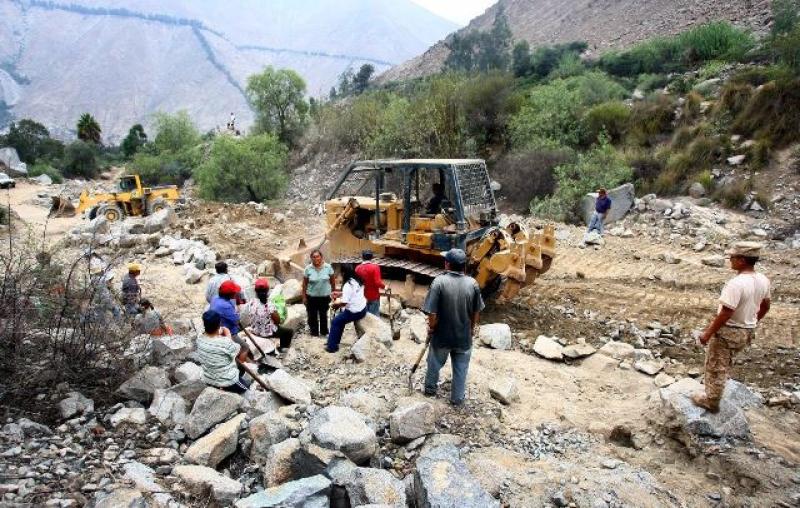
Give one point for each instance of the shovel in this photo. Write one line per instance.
(416, 364)
(254, 375)
(246, 332)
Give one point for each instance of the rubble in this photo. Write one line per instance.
(342, 429)
(412, 419)
(443, 479)
(224, 490)
(288, 387)
(211, 407)
(144, 383)
(307, 492)
(218, 444)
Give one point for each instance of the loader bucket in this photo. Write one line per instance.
(62, 207)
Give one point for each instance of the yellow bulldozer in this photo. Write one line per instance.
(133, 200)
(408, 212)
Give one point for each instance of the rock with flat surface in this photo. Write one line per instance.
(576, 351)
(370, 487)
(617, 350)
(129, 416)
(188, 371)
(258, 402)
(189, 390)
(496, 335)
(412, 419)
(663, 380)
(649, 367)
(144, 383)
(361, 349)
(288, 387)
(75, 403)
(211, 407)
(737, 160)
(292, 291)
(548, 348)
(373, 408)
(278, 465)
(213, 448)
(296, 317)
(192, 275)
(622, 199)
(267, 430)
(120, 498)
(142, 477)
(715, 261)
(171, 349)
(378, 329)
(342, 429)
(312, 492)
(442, 480)
(168, 407)
(417, 328)
(199, 479)
(504, 389)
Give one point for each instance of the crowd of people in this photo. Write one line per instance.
(453, 306)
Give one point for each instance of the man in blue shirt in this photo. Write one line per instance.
(225, 306)
(601, 208)
(453, 306)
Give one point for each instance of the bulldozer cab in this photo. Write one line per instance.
(131, 184)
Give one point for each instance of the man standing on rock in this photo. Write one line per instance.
(131, 291)
(453, 306)
(370, 273)
(744, 302)
(602, 205)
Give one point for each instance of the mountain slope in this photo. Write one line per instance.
(122, 60)
(603, 24)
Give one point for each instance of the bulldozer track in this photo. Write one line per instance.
(410, 266)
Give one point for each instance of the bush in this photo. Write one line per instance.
(734, 98)
(609, 117)
(175, 133)
(487, 102)
(706, 179)
(712, 69)
(735, 194)
(757, 76)
(655, 56)
(645, 165)
(691, 110)
(650, 119)
(80, 161)
(715, 41)
(649, 82)
(241, 170)
(529, 174)
(167, 168)
(772, 114)
(760, 154)
(568, 66)
(600, 167)
(42, 168)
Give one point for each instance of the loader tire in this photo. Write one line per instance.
(93, 213)
(111, 212)
(156, 205)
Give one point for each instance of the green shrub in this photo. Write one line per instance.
(682, 85)
(43, 168)
(601, 166)
(649, 82)
(760, 75)
(667, 183)
(175, 133)
(734, 98)
(645, 165)
(715, 41)
(706, 179)
(241, 170)
(655, 56)
(691, 110)
(80, 160)
(712, 69)
(759, 154)
(772, 114)
(735, 194)
(569, 65)
(609, 117)
(166, 168)
(651, 119)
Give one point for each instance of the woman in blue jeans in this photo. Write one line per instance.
(354, 303)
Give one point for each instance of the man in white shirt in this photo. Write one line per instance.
(744, 302)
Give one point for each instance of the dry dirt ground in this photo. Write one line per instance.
(570, 408)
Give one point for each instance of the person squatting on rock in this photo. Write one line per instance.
(602, 205)
(453, 306)
(744, 302)
(131, 291)
(370, 273)
(218, 354)
(354, 303)
(225, 306)
(319, 282)
(150, 321)
(265, 321)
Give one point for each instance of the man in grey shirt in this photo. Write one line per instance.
(453, 306)
(212, 288)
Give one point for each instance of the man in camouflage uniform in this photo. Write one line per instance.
(744, 302)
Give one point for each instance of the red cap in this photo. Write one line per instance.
(262, 283)
(229, 288)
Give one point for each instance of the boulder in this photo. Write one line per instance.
(168, 407)
(120, 498)
(496, 335)
(548, 348)
(378, 329)
(649, 367)
(75, 403)
(373, 408)
(737, 160)
(663, 380)
(267, 430)
(417, 328)
(200, 479)
(622, 199)
(342, 429)
(288, 387)
(188, 371)
(576, 351)
(697, 190)
(367, 486)
(213, 448)
(142, 477)
(412, 419)
(43, 180)
(279, 463)
(593, 238)
(730, 422)
(144, 383)
(128, 416)
(292, 291)
(715, 261)
(159, 221)
(443, 480)
(296, 317)
(190, 389)
(192, 274)
(171, 349)
(258, 402)
(312, 492)
(390, 310)
(504, 389)
(10, 159)
(211, 407)
(361, 349)
(617, 350)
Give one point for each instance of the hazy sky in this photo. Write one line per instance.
(459, 11)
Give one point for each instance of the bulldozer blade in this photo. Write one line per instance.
(62, 207)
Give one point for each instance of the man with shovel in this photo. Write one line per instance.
(453, 306)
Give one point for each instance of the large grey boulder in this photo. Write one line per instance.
(168, 407)
(496, 335)
(622, 199)
(310, 492)
(258, 402)
(213, 448)
(171, 349)
(412, 419)
(75, 403)
(128, 416)
(119, 498)
(279, 463)
(188, 371)
(378, 329)
(288, 387)
(342, 429)
(442, 480)
(198, 479)
(373, 408)
(159, 221)
(296, 317)
(211, 407)
(190, 389)
(368, 486)
(730, 422)
(144, 383)
(270, 429)
(292, 291)
(617, 350)
(9, 160)
(548, 348)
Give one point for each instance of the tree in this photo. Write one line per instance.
(240, 170)
(134, 140)
(175, 133)
(29, 139)
(521, 59)
(346, 82)
(362, 77)
(278, 97)
(88, 129)
(80, 160)
(482, 51)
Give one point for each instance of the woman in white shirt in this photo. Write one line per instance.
(354, 303)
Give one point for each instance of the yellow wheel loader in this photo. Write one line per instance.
(408, 212)
(132, 200)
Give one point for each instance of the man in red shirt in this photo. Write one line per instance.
(370, 273)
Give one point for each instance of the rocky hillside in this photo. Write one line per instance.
(122, 60)
(602, 23)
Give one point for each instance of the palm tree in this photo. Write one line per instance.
(88, 129)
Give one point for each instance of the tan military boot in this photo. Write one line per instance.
(700, 400)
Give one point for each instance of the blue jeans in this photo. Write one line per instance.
(338, 324)
(596, 223)
(374, 307)
(459, 360)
